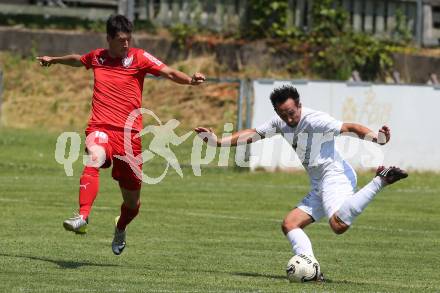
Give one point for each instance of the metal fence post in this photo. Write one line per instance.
(419, 23)
(290, 19)
(239, 105)
(249, 94)
(130, 10)
(126, 8)
(122, 7)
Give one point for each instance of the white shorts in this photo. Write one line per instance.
(328, 194)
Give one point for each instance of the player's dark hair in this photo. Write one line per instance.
(118, 23)
(281, 94)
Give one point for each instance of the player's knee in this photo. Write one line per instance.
(130, 185)
(339, 230)
(338, 226)
(96, 156)
(131, 194)
(290, 224)
(132, 204)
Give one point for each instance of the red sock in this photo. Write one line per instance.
(88, 190)
(127, 215)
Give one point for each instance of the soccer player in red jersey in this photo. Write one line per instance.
(119, 73)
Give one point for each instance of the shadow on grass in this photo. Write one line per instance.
(282, 277)
(257, 275)
(64, 264)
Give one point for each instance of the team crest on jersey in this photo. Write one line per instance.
(126, 62)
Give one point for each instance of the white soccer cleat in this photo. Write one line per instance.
(76, 224)
(118, 243)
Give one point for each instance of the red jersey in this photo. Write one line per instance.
(118, 85)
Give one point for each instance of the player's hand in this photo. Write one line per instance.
(383, 135)
(197, 78)
(207, 135)
(45, 61)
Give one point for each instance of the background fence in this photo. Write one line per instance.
(379, 17)
(371, 16)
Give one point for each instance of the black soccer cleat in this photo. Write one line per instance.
(320, 278)
(391, 174)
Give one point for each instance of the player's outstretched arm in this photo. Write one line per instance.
(381, 137)
(180, 77)
(244, 136)
(73, 60)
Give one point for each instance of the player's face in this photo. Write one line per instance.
(119, 45)
(289, 112)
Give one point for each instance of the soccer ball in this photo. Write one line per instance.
(303, 268)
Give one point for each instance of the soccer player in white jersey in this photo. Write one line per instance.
(333, 181)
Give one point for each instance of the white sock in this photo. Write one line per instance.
(300, 242)
(353, 206)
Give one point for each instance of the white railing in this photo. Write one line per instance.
(217, 15)
(371, 16)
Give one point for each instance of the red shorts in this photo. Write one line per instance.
(128, 169)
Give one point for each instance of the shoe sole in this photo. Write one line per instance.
(397, 176)
(392, 175)
(70, 228)
(120, 251)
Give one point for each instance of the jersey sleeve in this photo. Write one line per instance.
(150, 64)
(324, 123)
(268, 128)
(87, 59)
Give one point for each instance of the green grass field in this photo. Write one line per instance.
(216, 233)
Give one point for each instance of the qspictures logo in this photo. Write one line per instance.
(164, 138)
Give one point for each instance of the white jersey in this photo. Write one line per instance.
(313, 139)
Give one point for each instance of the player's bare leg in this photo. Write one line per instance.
(337, 225)
(355, 205)
(129, 210)
(88, 190)
(293, 225)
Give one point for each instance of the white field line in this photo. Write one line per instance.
(239, 218)
(104, 208)
(418, 190)
(5, 199)
(362, 227)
